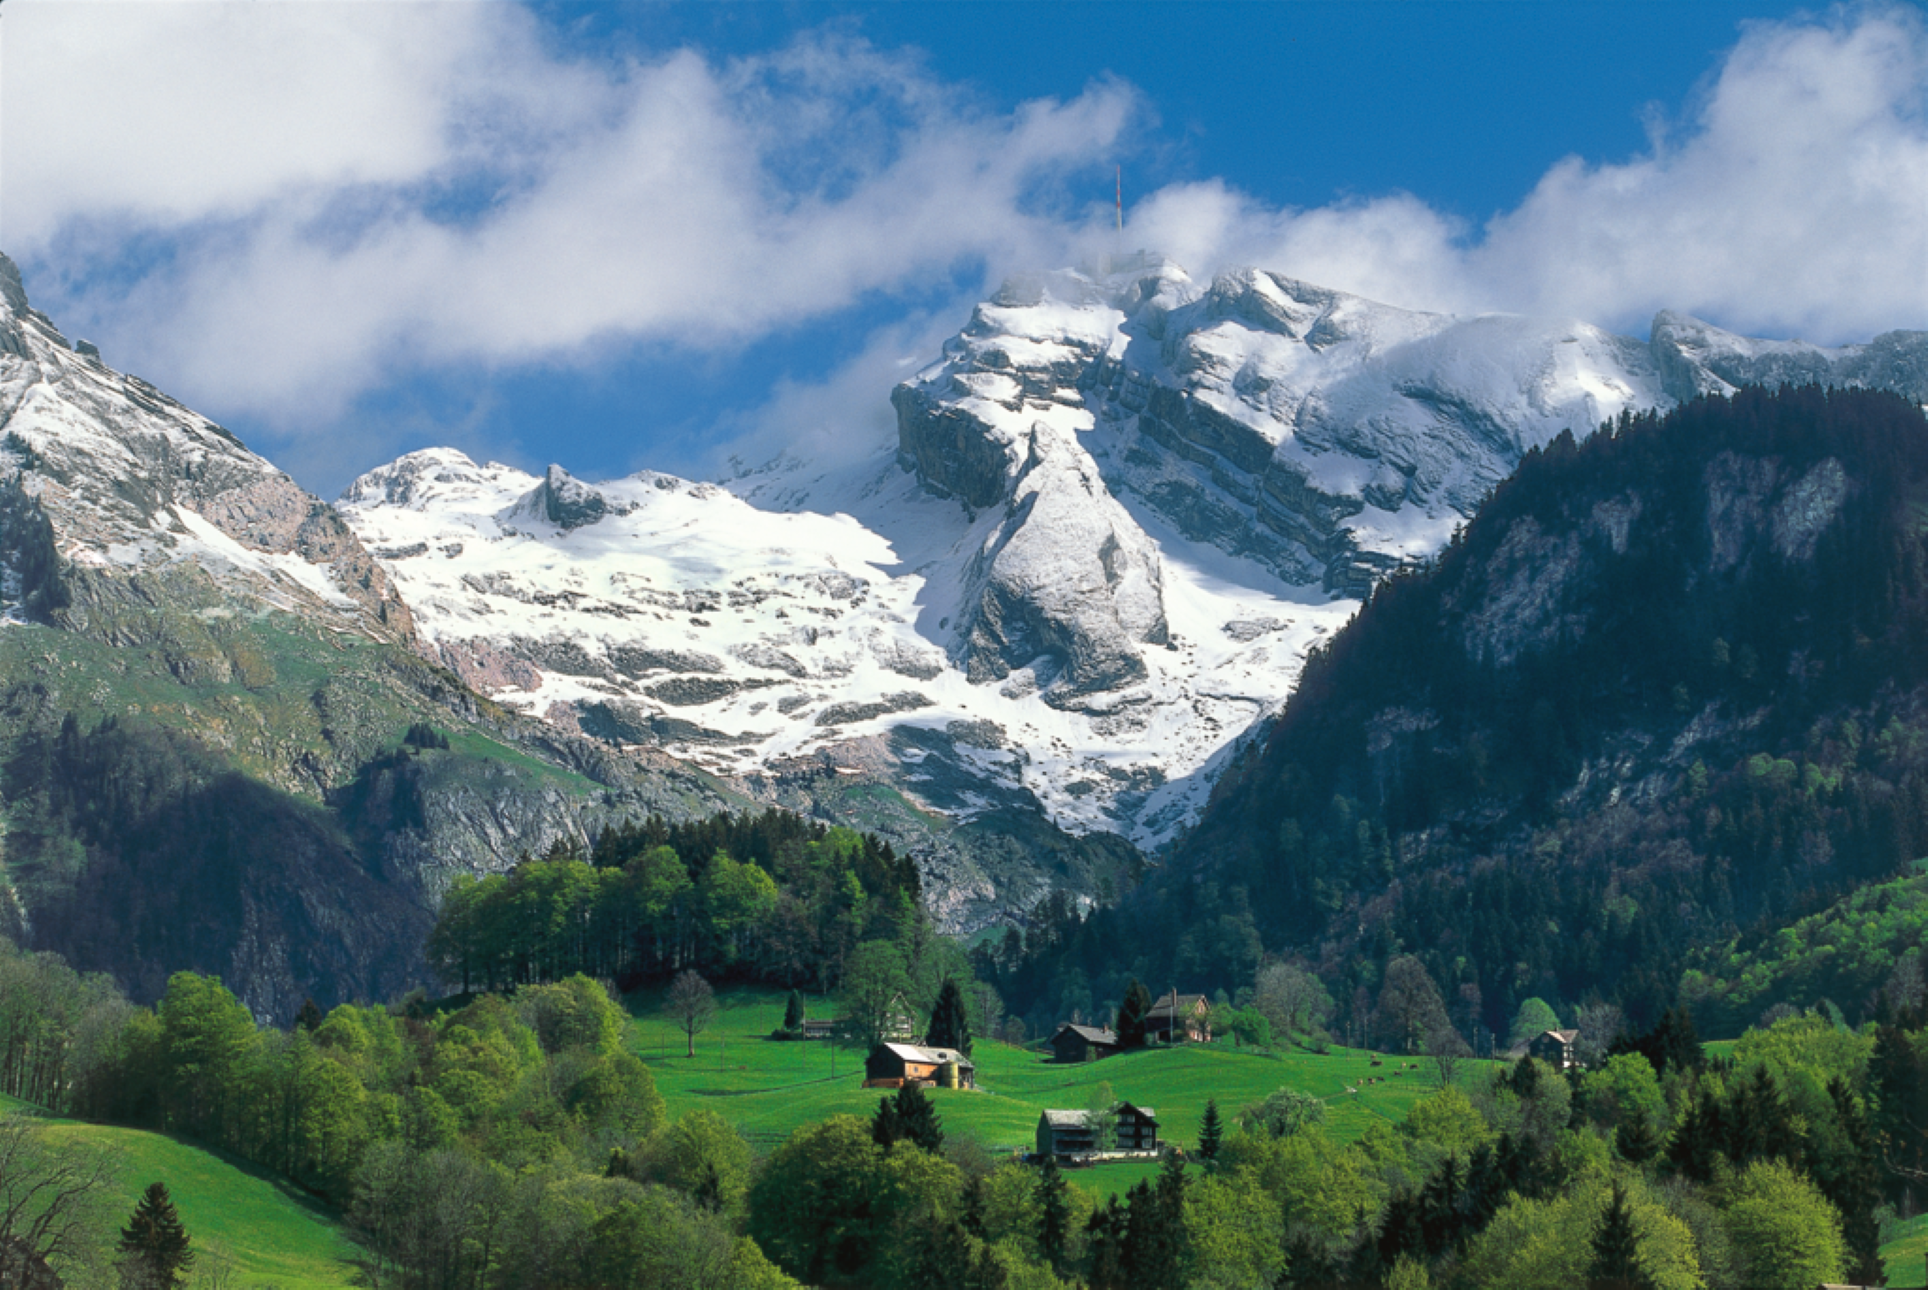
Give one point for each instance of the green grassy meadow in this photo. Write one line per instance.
(768, 1089)
(1906, 1253)
(272, 1235)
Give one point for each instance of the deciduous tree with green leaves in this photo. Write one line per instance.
(1784, 1229)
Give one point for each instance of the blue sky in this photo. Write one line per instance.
(654, 235)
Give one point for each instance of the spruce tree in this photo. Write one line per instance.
(1616, 1249)
(1211, 1131)
(793, 1013)
(309, 1018)
(1637, 1139)
(154, 1244)
(1105, 1241)
(1131, 1015)
(950, 1027)
(885, 1128)
(909, 1117)
(1054, 1214)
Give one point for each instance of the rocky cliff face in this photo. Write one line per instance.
(137, 490)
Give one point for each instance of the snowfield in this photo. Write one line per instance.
(1118, 511)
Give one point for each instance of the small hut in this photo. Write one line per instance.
(1075, 1043)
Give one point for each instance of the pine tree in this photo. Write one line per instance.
(1848, 1172)
(885, 1128)
(1211, 1131)
(1616, 1249)
(1637, 1139)
(909, 1117)
(154, 1245)
(1174, 1248)
(1105, 1242)
(1131, 1016)
(950, 1027)
(793, 1013)
(1054, 1214)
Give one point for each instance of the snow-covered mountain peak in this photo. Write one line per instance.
(1121, 508)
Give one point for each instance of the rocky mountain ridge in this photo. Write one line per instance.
(1018, 637)
(1116, 513)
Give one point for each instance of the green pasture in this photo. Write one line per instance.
(768, 1088)
(273, 1235)
(1905, 1254)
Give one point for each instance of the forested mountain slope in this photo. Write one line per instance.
(1669, 686)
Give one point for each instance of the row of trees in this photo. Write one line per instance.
(497, 1145)
(635, 908)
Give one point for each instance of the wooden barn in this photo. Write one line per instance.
(894, 1065)
(1179, 1019)
(1074, 1043)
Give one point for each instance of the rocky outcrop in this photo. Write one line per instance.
(132, 486)
(1330, 437)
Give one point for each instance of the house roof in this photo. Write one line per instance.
(930, 1056)
(1081, 1119)
(1092, 1034)
(1566, 1037)
(1186, 1003)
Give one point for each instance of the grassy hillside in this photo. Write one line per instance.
(274, 1236)
(1906, 1254)
(769, 1089)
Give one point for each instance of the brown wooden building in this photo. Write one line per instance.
(894, 1065)
(1179, 1019)
(1075, 1043)
(1137, 1128)
(1555, 1048)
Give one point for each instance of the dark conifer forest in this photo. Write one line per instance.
(1663, 695)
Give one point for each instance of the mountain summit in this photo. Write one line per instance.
(1118, 510)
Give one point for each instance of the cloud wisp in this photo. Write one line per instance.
(283, 207)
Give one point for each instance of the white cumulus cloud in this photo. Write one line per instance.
(276, 208)
(1790, 199)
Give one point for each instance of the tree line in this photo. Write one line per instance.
(754, 898)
